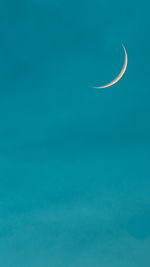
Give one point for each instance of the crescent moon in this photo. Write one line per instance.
(120, 74)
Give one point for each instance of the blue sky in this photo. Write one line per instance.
(74, 176)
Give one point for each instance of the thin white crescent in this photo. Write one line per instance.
(120, 75)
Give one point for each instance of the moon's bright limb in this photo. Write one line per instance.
(120, 75)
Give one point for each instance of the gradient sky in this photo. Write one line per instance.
(74, 175)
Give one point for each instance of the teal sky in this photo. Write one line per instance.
(74, 161)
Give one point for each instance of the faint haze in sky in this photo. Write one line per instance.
(74, 176)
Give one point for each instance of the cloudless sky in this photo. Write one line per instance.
(74, 161)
